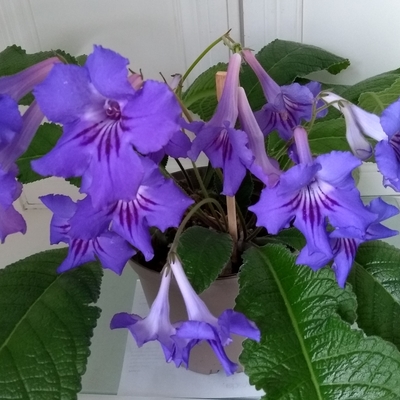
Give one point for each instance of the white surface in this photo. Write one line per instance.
(145, 371)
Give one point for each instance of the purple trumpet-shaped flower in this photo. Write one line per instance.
(358, 123)
(158, 202)
(10, 220)
(344, 246)
(287, 105)
(86, 232)
(156, 326)
(202, 325)
(103, 117)
(18, 85)
(310, 193)
(225, 146)
(266, 169)
(387, 150)
(16, 133)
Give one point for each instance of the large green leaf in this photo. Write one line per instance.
(376, 102)
(46, 322)
(376, 83)
(204, 253)
(375, 278)
(45, 139)
(307, 351)
(201, 96)
(326, 136)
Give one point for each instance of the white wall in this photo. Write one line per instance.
(166, 35)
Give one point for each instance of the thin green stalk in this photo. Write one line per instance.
(195, 62)
(186, 175)
(255, 233)
(205, 194)
(187, 218)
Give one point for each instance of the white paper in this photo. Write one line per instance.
(145, 372)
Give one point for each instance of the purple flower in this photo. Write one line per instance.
(310, 193)
(287, 105)
(344, 246)
(10, 220)
(266, 169)
(387, 150)
(158, 202)
(18, 85)
(177, 147)
(202, 325)
(358, 124)
(103, 117)
(225, 146)
(16, 133)
(156, 326)
(85, 230)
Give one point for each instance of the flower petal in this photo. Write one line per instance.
(388, 164)
(152, 117)
(109, 73)
(66, 94)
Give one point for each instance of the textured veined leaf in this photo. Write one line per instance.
(307, 351)
(46, 322)
(375, 279)
(204, 253)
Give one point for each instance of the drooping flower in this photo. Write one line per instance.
(309, 195)
(11, 221)
(21, 83)
(86, 232)
(358, 123)
(387, 150)
(225, 146)
(344, 245)
(158, 202)
(156, 326)
(103, 117)
(286, 105)
(202, 325)
(266, 169)
(16, 133)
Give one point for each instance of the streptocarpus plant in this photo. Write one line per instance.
(277, 199)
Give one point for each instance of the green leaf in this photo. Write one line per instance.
(201, 97)
(204, 253)
(45, 139)
(376, 102)
(291, 237)
(327, 135)
(376, 83)
(307, 351)
(46, 324)
(375, 279)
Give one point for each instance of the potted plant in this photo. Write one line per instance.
(276, 206)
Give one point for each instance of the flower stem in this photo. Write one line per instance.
(185, 174)
(187, 218)
(206, 195)
(196, 61)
